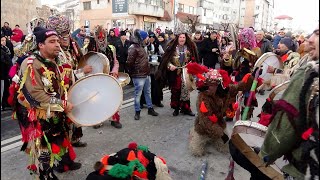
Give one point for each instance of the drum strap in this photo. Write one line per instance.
(289, 109)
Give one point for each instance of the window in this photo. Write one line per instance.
(191, 10)
(98, 1)
(204, 12)
(181, 7)
(87, 5)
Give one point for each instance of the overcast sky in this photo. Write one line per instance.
(305, 13)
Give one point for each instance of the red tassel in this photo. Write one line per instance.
(246, 77)
(265, 119)
(66, 168)
(203, 108)
(131, 156)
(55, 148)
(213, 118)
(116, 117)
(32, 167)
(225, 78)
(65, 143)
(72, 154)
(195, 68)
(32, 76)
(200, 76)
(143, 160)
(133, 145)
(235, 106)
(32, 115)
(307, 133)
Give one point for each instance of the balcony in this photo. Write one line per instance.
(146, 7)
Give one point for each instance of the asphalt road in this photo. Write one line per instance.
(10, 128)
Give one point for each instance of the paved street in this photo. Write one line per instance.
(165, 135)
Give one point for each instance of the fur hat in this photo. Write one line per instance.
(123, 33)
(42, 34)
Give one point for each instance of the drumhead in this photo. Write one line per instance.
(95, 99)
(98, 61)
(268, 59)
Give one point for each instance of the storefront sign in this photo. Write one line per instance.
(130, 21)
(149, 19)
(119, 6)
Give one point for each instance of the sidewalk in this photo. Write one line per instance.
(165, 135)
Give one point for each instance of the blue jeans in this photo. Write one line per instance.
(139, 85)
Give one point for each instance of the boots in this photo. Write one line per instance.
(152, 112)
(116, 124)
(176, 112)
(137, 115)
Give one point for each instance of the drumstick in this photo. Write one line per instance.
(92, 96)
(252, 92)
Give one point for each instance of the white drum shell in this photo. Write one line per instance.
(95, 99)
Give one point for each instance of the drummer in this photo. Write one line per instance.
(42, 107)
(110, 52)
(289, 58)
(70, 54)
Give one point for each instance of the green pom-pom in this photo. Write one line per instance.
(120, 171)
(143, 148)
(123, 171)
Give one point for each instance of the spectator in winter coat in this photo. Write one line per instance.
(6, 30)
(277, 38)
(198, 39)
(122, 46)
(5, 64)
(263, 43)
(211, 51)
(112, 38)
(17, 34)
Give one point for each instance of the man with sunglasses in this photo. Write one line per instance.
(70, 54)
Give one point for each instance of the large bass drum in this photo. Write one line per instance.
(99, 62)
(247, 135)
(268, 59)
(95, 99)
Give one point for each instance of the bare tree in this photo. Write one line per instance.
(193, 22)
(225, 26)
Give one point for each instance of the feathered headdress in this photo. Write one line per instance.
(61, 24)
(247, 38)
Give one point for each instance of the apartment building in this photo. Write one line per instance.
(256, 13)
(26, 10)
(214, 12)
(131, 14)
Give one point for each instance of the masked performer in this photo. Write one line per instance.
(42, 106)
(216, 92)
(134, 162)
(110, 52)
(70, 54)
(179, 52)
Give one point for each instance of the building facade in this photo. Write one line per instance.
(26, 10)
(256, 13)
(131, 14)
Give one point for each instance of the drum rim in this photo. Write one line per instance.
(86, 56)
(249, 124)
(71, 116)
(127, 81)
(264, 56)
(279, 87)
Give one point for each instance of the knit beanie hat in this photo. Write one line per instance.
(42, 34)
(287, 42)
(143, 35)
